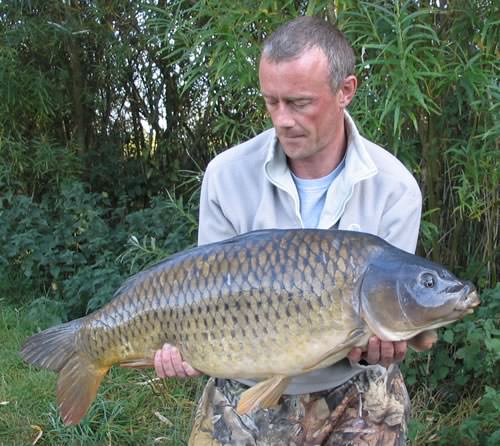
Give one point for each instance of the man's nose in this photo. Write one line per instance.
(282, 117)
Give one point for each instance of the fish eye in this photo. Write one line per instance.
(428, 280)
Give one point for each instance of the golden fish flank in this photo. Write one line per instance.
(265, 305)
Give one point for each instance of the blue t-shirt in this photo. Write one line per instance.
(312, 195)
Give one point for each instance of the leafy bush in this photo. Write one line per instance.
(172, 226)
(68, 244)
(51, 241)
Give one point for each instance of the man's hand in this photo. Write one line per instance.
(380, 352)
(169, 363)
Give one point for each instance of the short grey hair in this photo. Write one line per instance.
(290, 40)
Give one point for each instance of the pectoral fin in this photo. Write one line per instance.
(140, 363)
(337, 352)
(263, 395)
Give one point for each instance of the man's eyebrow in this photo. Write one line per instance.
(290, 98)
(299, 98)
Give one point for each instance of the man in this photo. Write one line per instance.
(313, 169)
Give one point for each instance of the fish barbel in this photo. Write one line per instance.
(266, 305)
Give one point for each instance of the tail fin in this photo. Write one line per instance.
(56, 349)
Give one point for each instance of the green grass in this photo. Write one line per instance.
(434, 422)
(123, 412)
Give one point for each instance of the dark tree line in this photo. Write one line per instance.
(127, 96)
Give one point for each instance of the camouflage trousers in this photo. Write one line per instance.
(370, 409)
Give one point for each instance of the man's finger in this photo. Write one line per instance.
(373, 352)
(176, 361)
(165, 362)
(159, 364)
(400, 348)
(386, 353)
(189, 370)
(166, 359)
(355, 355)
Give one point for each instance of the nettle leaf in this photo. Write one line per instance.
(461, 379)
(55, 270)
(470, 428)
(448, 336)
(442, 372)
(493, 345)
(474, 336)
(414, 427)
(461, 353)
(494, 439)
(410, 379)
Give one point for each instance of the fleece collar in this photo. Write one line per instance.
(359, 166)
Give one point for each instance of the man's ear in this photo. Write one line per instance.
(347, 90)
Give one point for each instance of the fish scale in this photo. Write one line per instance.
(267, 305)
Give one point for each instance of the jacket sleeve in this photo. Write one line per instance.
(213, 224)
(401, 221)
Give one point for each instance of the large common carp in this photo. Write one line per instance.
(267, 305)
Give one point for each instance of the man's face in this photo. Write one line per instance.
(307, 115)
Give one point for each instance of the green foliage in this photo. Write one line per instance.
(84, 83)
(156, 243)
(214, 46)
(145, 91)
(68, 243)
(465, 361)
(480, 428)
(467, 351)
(19, 79)
(470, 421)
(49, 242)
(35, 167)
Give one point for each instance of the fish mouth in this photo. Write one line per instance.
(468, 302)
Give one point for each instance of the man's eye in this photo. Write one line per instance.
(301, 103)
